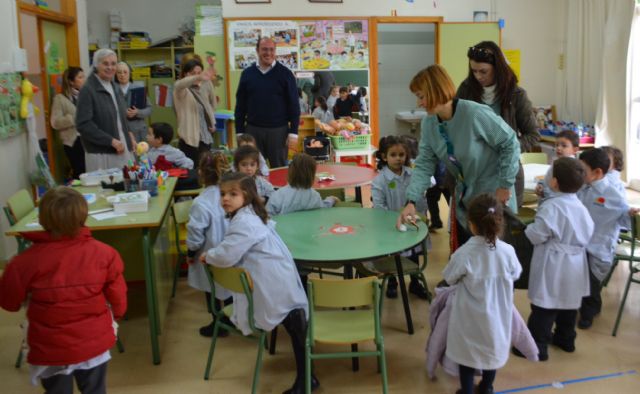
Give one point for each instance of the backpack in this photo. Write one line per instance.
(514, 235)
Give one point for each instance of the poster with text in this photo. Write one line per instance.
(334, 45)
(243, 37)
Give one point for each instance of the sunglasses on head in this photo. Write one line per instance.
(482, 55)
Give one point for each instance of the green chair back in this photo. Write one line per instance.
(533, 158)
(181, 211)
(20, 204)
(233, 279)
(331, 293)
(348, 204)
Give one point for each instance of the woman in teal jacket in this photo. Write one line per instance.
(478, 148)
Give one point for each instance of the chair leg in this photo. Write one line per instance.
(355, 361)
(19, 358)
(383, 366)
(423, 280)
(307, 369)
(119, 344)
(605, 282)
(272, 343)
(212, 349)
(256, 372)
(385, 280)
(624, 299)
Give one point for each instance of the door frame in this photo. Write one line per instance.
(374, 101)
(67, 17)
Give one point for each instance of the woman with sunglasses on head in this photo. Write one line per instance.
(492, 82)
(477, 147)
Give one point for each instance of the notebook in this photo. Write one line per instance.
(138, 98)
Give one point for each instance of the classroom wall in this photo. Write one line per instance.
(13, 151)
(540, 49)
(160, 18)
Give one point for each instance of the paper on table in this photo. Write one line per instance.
(33, 224)
(107, 215)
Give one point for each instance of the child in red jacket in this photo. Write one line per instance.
(75, 290)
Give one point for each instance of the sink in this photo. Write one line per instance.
(413, 117)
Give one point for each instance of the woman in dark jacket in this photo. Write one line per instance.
(492, 82)
(101, 116)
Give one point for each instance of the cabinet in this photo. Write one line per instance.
(169, 56)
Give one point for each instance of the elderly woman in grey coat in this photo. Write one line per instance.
(135, 115)
(101, 117)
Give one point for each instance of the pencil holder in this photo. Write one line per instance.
(150, 185)
(131, 186)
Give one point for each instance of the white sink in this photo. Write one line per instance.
(413, 117)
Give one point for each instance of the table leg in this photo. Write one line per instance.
(359, 194)
(405, 296)
(151, 296)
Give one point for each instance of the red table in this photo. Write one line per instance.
(346, 177)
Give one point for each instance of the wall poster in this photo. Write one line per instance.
(304, 45)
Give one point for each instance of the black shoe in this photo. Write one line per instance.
(435, 225)
(207, 331)
(298, 387)
(416, 288)
(541, 356)
(585, 323)
(567, 348)
(392, 288)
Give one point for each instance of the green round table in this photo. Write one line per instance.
(349, 235)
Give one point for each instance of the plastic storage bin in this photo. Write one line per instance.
(362, 141)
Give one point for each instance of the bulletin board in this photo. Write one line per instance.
(302, 44)
(455, 40)
(10, 96)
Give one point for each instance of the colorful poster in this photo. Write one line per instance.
(10, 95)
(243, 37)
(334, 45)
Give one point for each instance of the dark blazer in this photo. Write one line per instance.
(96, 117)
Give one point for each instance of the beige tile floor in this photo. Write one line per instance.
(184, 352)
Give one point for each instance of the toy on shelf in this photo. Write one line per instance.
(28, 90)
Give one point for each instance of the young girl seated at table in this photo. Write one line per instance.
(388, 192)
(206, 227)
(75, 291)
(251, 242)
(484, 269)
(247, 139)
(298, 194)
(246, 160)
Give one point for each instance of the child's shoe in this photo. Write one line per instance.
(542, 355)
(392, 287)
(207, 331)
(416, 288)
(585, 323)
(569, 348)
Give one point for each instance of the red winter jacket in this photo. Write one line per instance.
(69, 284)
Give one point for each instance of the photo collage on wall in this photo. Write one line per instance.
(10, 95)
(305, 45)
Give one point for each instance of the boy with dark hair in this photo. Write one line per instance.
(159, 135)
(344, 104)
(607, 207)
(559, 275)
(567, 145)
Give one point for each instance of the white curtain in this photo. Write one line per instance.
(585, 21)
(633, 104)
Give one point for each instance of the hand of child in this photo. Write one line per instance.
(203, 258)
(503, 195)
(407, 215)
(334, 199)
(633, 211)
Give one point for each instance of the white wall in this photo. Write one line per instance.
(534, 27)
(160, 18)
(13, 150)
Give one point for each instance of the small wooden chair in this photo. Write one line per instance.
(180, 212)
(632, 255)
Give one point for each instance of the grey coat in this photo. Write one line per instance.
(96, 117)
(518, 115)
(138, 125)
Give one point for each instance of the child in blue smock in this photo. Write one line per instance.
(567, 145)
(206, 227)
(610, 211)
(388, 192)
(484, 268)
(617, 165)
(247, 139)
(298, 194)
(246, 160)
(251, 242)
(559, 275)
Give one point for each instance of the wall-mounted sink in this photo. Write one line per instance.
(413, 117)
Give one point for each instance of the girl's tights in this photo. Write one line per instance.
(466, 380)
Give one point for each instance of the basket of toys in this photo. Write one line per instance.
(347, 133)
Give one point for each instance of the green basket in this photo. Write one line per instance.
(362, 141)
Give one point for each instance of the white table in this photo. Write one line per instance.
(531, 172)
(366, 152)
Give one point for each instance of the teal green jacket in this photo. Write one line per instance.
(485, 146)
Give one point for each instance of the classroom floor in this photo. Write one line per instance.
(600, 364)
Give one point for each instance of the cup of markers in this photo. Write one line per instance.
(142, 176)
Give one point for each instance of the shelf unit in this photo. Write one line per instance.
(167, 54)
